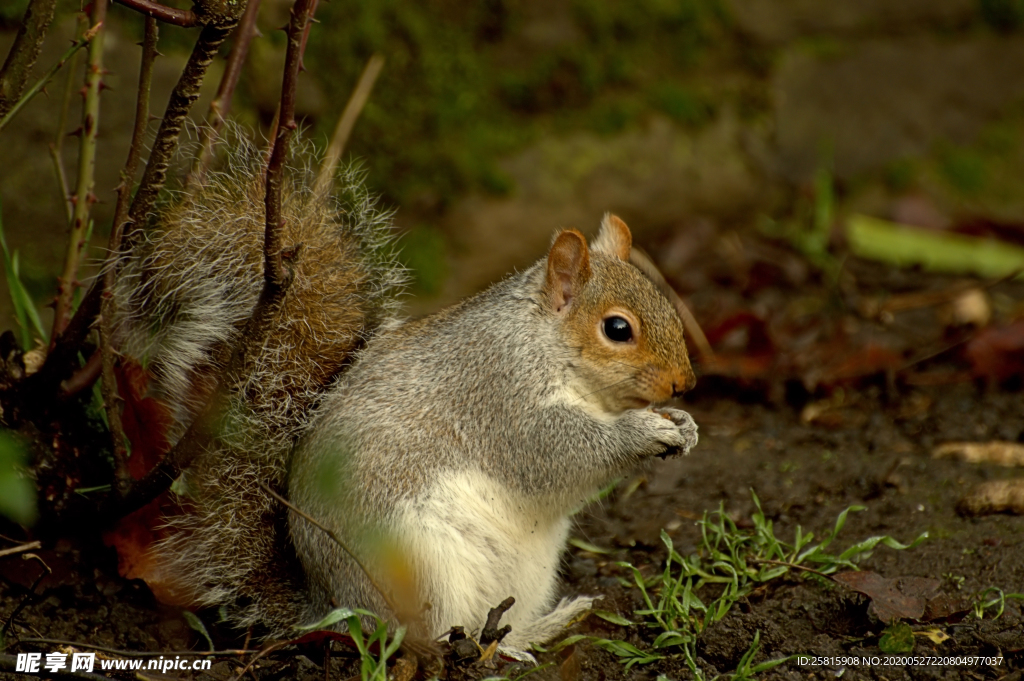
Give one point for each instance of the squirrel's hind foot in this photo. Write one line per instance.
(544, 628)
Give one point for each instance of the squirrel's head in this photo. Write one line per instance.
(632, 352)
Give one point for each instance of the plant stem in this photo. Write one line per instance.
(794, 566)
(356, 102)
(108, 307)
(24, 52)
(84, 196)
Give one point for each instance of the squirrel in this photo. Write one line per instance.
(448, 453)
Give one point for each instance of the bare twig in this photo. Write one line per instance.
(491, 633)
(31, 592)
(84, 377)
(356, 102)
(275, 277)
(221, 104)
(334, 537)
(275, 124)
(272, 648)
(24, 99)
(24, 52)
(168, 15)
(305, 33)
(108, 307)
(31, 546)
(84, 196)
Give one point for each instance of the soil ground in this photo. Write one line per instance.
(870, 445)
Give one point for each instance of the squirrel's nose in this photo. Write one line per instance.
(684, 383)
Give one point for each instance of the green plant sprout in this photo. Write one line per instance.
(997, 601)
(738, 560)
(24, 309)
(372, 666)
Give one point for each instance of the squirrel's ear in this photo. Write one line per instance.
(568, 269)
(614, 237)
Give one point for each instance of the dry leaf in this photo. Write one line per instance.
(569, 670)
(996, 353)
(997, 496)
(934, 634)
(899, 598)
(1001, 453)
(489, 652)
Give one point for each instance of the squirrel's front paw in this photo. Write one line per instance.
(684, 432)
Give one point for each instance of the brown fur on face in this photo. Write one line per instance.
(654, 365)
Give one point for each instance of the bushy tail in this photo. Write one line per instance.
(183, 297)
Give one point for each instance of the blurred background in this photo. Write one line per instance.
(739, 139)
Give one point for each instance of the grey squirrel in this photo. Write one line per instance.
(447, 452)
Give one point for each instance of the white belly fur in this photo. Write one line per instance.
(472, 544)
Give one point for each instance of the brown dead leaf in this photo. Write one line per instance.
(996, 353)
(946, 606)
(899, 598)
(996, 496)
(569, 670)
(489, 652)
(1001, 453)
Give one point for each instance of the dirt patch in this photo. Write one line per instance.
(806, 475)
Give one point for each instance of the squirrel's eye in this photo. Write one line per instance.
(618, 329)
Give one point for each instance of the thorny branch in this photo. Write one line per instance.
(221, 104)
(108, 307)
(24, 52)
(275, 277)
(169, 15)
(84, 196)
